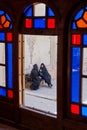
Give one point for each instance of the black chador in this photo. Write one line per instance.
(35, 79)
(44, 74)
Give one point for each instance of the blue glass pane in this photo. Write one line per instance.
(10, 26)
(85, 39)
(75, 75)
(79, 14)
(2, 36)
(74, 25)
(8, 18)
(27, 8)
(86, 7)
(50, 12)
(39, 23)
(84, 111)
(9, 66)
(2, 92)
(28, 12)
(1, 12)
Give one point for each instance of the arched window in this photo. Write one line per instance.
(6, 38)
(78, 63)
(39, 45)
(39, 16)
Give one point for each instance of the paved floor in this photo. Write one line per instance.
(44, 99)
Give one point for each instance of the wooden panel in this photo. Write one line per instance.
(37, 121)
(7, 111)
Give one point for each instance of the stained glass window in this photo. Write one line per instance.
(39, 16)
(80, 19)
(6, 50)
(78, 49)
(5, 21)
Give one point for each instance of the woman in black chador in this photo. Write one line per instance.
(43, 72)
(35, 79)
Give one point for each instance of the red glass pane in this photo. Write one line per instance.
(9, 37)
(76, 39)
(51, 23)
(28, 23)
(75, 109)
(10, 94)
(0, 26)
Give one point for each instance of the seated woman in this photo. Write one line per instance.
(35, 78)
(43, 73)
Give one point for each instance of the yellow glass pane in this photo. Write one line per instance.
(7, 23)
(85, 16)
(3, 19)
(81, 24)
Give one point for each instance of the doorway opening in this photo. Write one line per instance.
(35, 50)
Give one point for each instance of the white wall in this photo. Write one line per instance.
(40, 49)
